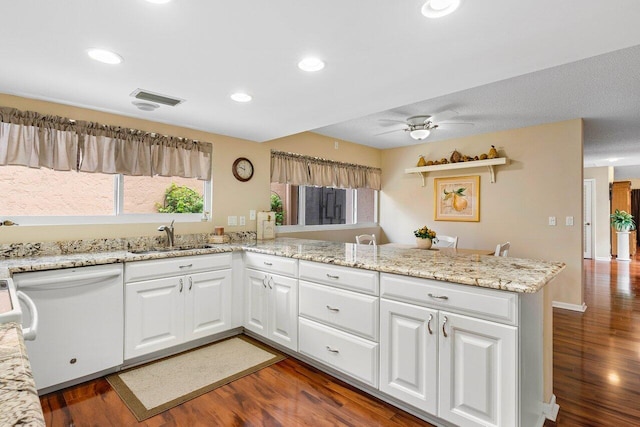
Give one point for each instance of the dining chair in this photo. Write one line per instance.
(447, 241)
(502, 249)
(366, 239)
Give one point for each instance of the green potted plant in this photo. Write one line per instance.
(622, 221)
(425, 237)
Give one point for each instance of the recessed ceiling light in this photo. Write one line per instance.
(159, 1)
(241, 97)
(145, 106)
(311, 64)
(105, 56)
(439, 8)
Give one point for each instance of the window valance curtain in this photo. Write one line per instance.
(34, 140)
(296, 169)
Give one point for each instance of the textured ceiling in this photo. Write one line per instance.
(380, 55)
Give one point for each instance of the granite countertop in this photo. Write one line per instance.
(505, 273)
(18, 396)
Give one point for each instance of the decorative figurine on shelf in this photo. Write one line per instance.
(425, 237)
(421, 161)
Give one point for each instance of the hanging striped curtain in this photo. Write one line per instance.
(34, 140)
(296, 169)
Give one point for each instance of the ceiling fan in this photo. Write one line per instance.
(420, 127)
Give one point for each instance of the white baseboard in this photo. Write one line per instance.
(603, 258)
(551, 409)
(573, 307)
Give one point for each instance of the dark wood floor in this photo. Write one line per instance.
(596, 354)
(596, 378)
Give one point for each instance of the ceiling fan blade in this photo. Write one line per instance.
(390, 122)
(443, 115)
(456, 123)
(389, 131)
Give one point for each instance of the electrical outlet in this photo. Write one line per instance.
(252, 214)
(336, 144)
(569, 220)
(243, 220)
(552, 220)
(232, 220)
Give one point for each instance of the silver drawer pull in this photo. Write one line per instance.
(332, 350)
(332, 308)
(186, 266)
(181, 284)
(444, 297)
(268, 263)
(190, 282)
(332, 277)
(429, 324)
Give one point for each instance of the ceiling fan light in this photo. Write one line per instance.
(420, 134)
(439, 8)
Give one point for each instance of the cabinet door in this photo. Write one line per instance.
(154, 315)
(207, 303)
(283, 310)
(408, 353)
(478, 377)
(256, 301)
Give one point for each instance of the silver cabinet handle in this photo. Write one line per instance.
(181, 284)
(190, 282)
(185, 266)
(270, 282)
(332, 308)
(429, 324)
(444, 332)
(268, 263)
(264, 281)
(443, 297)
(332, 277)
(332, 350)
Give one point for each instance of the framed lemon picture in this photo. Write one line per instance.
(457, 198)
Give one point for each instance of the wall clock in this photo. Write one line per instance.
(242, 169)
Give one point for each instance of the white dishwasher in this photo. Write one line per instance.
(81, 322)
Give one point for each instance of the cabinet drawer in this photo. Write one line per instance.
(350, 311)
(341, 277)
(145, 270)
(271, 263)
(347, 353)
(484, 303)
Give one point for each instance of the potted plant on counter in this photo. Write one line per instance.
(623, 221)
(425, 237)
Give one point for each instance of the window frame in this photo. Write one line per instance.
(118, 216)
(329, 227)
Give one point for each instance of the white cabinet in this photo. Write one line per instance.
(460, 368)
(167, 311)
(477, 372)
(409, 354)
(339, 312)
(272, 306)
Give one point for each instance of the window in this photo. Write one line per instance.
(43, 196)
(322, 206)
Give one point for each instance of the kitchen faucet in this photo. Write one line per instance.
(169, 231)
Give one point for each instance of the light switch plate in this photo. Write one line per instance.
(569, 220)
(552, 220)
(252, 214)
(243, 220)
(232, 220)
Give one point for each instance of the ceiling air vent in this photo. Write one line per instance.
(156, 97)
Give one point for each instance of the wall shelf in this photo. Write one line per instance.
(489, 163)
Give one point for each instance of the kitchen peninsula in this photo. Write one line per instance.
(447, 312)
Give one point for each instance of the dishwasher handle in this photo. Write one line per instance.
(29, 333)
(61, 281)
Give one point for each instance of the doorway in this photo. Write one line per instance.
(588, 201)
